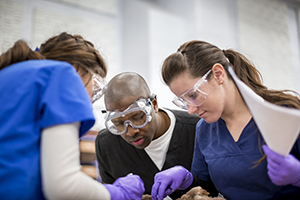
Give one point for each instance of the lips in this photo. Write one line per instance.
(202, 114)
(138, 141)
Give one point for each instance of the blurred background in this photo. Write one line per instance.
(137, 35)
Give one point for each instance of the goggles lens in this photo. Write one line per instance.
(99, 87)
(137, 115)
(194, 96)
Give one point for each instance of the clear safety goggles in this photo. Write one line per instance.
(194, 96)
(137, 115)
(99, 87)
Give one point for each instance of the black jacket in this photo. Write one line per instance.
(116, 158)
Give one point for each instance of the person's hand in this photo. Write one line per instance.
(130, 187)
(282, 170)
(165, 182)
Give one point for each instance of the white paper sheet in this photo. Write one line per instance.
(278, 125)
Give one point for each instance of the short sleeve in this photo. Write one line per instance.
(64, 98)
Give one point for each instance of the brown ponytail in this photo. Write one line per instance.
(246, 71)
(18, 53)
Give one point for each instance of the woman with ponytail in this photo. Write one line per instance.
(228, 146)
(46, 105)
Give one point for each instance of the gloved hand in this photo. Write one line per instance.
(282, 170)
(130, 187)
(165, 182)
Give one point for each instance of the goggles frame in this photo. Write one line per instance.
(135, 106)
(181, 103)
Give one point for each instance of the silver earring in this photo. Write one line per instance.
(221, 82)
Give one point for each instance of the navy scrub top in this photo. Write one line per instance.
(231, 165)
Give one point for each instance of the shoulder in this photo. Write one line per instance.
(42, 64)
(37, 66)
(40, 75)
(44, 70)
(55, 67)
(108, 144)
(47, 63)
(105, 138)
(184, 117)
(103, 133)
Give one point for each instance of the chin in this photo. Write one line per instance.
(210, 120)
(142, 146)
(139, 147)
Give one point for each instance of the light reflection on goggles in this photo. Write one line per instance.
(137, 115)
(99, 87)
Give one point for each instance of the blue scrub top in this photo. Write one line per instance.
(34, 95)
(231, 165)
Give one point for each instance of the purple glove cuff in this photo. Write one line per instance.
(112, 191)
(125, 188)
(187, 181)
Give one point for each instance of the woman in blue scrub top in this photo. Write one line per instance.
(45, 107)
(228, 146)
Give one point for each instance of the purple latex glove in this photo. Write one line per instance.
(282, 170)
(130, 187)
(165, 182)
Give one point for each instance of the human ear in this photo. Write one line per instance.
(155, 105)
(218, 73)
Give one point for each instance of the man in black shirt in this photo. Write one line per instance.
(140, 137)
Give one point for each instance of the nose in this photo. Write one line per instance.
(191, 109)
(131, 131)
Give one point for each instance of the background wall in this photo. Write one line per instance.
(136, 35)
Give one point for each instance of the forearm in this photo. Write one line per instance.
(62, 177)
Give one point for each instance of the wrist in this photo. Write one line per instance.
(114, 192)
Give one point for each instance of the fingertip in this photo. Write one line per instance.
(154, 190)
(161, 191)
(160, 197)
(153, 196)
(272, 155)
(168, 191)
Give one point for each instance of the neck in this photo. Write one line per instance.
(237, 114)
(163, 123)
